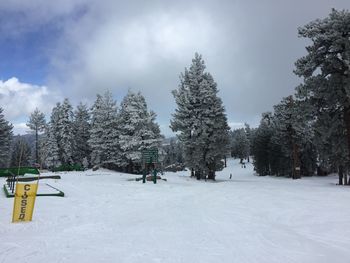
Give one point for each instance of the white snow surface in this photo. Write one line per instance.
(106, 218)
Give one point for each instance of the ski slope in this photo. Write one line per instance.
(106, 218)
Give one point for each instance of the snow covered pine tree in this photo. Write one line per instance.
(50, 153)
(104, 132)
(201, 121)
(326, 68)
(5, 139)
(81, 131)
(37, 123)
(138, 131)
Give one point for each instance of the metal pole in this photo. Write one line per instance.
(155, 175)
(13, 183)
(144, 174)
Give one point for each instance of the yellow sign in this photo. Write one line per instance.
(24, 202)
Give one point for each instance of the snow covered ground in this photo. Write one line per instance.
(106, 218)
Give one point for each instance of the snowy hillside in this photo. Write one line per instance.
(104, 217)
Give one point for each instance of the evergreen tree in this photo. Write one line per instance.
(200, 120)
(173, 153)
(66, 135)
(54, 119)
(179, 153)
(104, 141)
(81, 130)
(283, 144)
(96, 132)
(43, 153)
(110, 135)
(21, 153)
(304, 125)
(240, 146)
(331, 144)
(326, 73)
(37, 123)
(61, 126)
(85, 163)
(261, 144)
(248, 132)
(5, 139)
(138, 130)
(286, 139)
(50, 154)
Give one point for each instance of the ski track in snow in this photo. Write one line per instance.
(106, 218)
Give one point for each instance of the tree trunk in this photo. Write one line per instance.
(340, 173)
(36, 147)
(198, 175)
(347, 126)
(192, 172)
(248, 159)
(296, 162)
(345, 178)
(225, 161)
(211, 175)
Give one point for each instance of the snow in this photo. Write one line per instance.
(104, 217)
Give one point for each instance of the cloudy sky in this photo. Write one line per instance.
(50, 50)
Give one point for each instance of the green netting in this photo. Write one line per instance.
(67, 167)
(58, 193)
(4, 172)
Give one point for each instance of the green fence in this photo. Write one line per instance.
(5, 172)
(68, 167)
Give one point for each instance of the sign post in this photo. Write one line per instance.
(150, 159)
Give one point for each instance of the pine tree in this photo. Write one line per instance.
(240, 146)
(304, 120)
(283, 143)
(65, 130)
(248, 132)
(37, 123)
(81, 130)
(331, 144)
(96, 132)
(261, 144)
(110, 135)
(21, 153)
(138, 130)
(5, 140)
(104, 141)
(200, 120)
(61, 126)
(287, 136)
(326, 73)
(43, 153)
(173, 153)
(85, 163)
(50, 154)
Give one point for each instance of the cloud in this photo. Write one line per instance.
(145, 47)
(20, 99)
(139, 52)
(145, 51)
(21, 17)
(20, 128)
(249, 47)
(236, 125)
